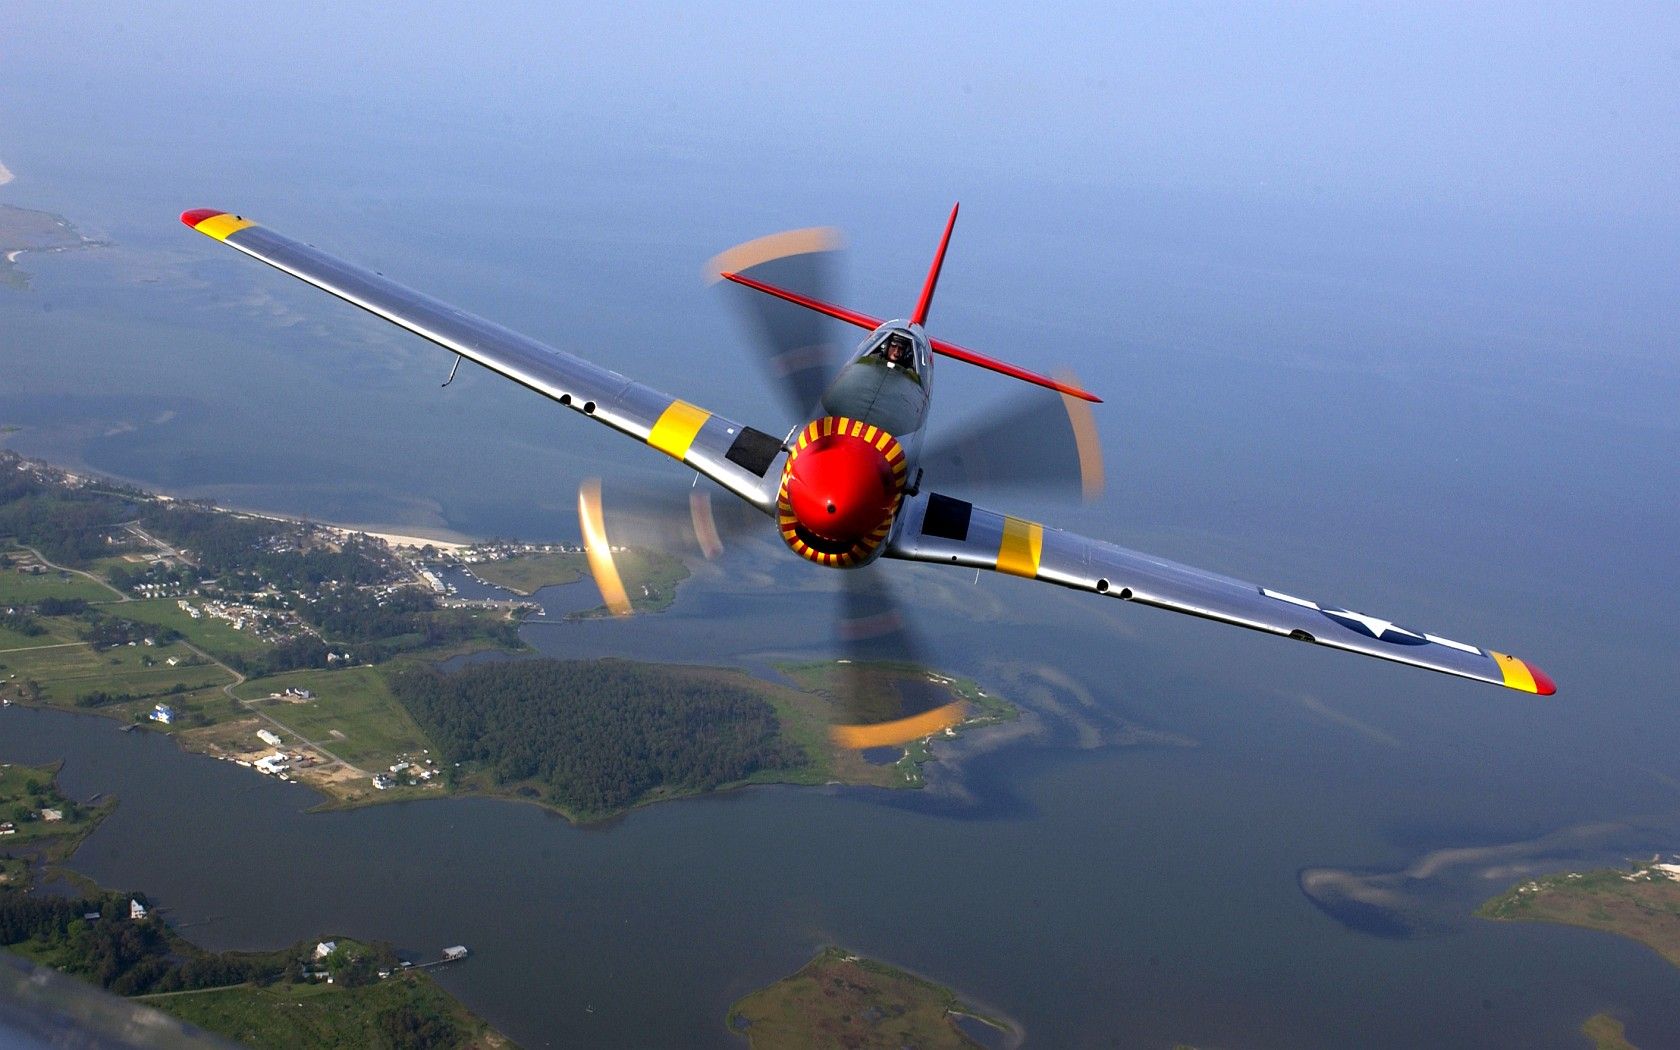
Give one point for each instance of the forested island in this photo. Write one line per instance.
(595, 736)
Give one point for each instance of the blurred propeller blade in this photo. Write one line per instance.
(592, 523)
(885, 697)
(1046, 442)
(620, 528)
(796, 346)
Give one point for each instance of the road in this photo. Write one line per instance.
(42, 558)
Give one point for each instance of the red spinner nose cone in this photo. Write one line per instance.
(841, 488)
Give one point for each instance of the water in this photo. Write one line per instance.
(1450, 412)
(1128, 919)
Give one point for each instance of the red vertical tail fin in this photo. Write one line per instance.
(926, 301)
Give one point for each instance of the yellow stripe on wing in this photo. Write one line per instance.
(223, 226)
(1516, 672)
(676, 428)
(1023, 543)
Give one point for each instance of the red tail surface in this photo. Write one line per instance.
(926, 301)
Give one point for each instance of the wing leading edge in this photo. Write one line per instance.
(735, 456)
(946, 531)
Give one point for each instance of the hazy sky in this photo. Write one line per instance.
(1501, 107)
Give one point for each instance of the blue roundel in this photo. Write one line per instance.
(1371, 627)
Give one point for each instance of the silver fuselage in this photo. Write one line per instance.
(894, 397)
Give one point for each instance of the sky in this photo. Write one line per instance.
(1503, 108)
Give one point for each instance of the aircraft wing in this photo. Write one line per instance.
(735, 456)
(947, 531)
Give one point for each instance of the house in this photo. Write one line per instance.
(91, 916)
(272, 764)
(270, 738)
(455, 954)
(325, 948)
(136, 910)
(172, 661)
(8, 828)
(51, 815)
(381, 781)
(163, 712)
(300, 692)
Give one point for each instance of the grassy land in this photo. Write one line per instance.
(307, 1016)
(814, 711)
(54, 629)
(353, 713)
(1606, 1033)
(843, 1000)
(262, 998)
(213, 635)
(650, 579)
(24, 792)
(1643, 904)
(530, 573)
(24, 588)
(66, 673)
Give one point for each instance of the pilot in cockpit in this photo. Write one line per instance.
(897, 351)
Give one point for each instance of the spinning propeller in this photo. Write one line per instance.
(1041, 440)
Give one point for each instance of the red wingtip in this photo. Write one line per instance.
(1543, 684)
(926, 300)
(198, 215)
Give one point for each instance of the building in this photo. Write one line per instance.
(136, 910)
(164, 713)
(51, 815)
(300, 692)
(381, 781)
(325, 948)
(270, 738)
(8, 828)
(272, 764)
(455, 954)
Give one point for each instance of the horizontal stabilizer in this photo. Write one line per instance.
(940, 346)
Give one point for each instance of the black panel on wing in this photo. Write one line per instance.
(754, 449)
(946, 518)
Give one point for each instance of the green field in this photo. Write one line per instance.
(309, 1016)
(355, 701)
(23, 588)
(214, 636)
(68, 672)
(530, 573)
(841, 999)
(1606, 1033)
(821, 681)
(54, 630)
(1643, 904)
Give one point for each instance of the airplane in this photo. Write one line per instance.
(846, 488)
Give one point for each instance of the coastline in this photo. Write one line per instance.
(415, 536)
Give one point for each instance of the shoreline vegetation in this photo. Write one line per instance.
(1641, 903)
(843, 999)
(311, 652)
(302, 996)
